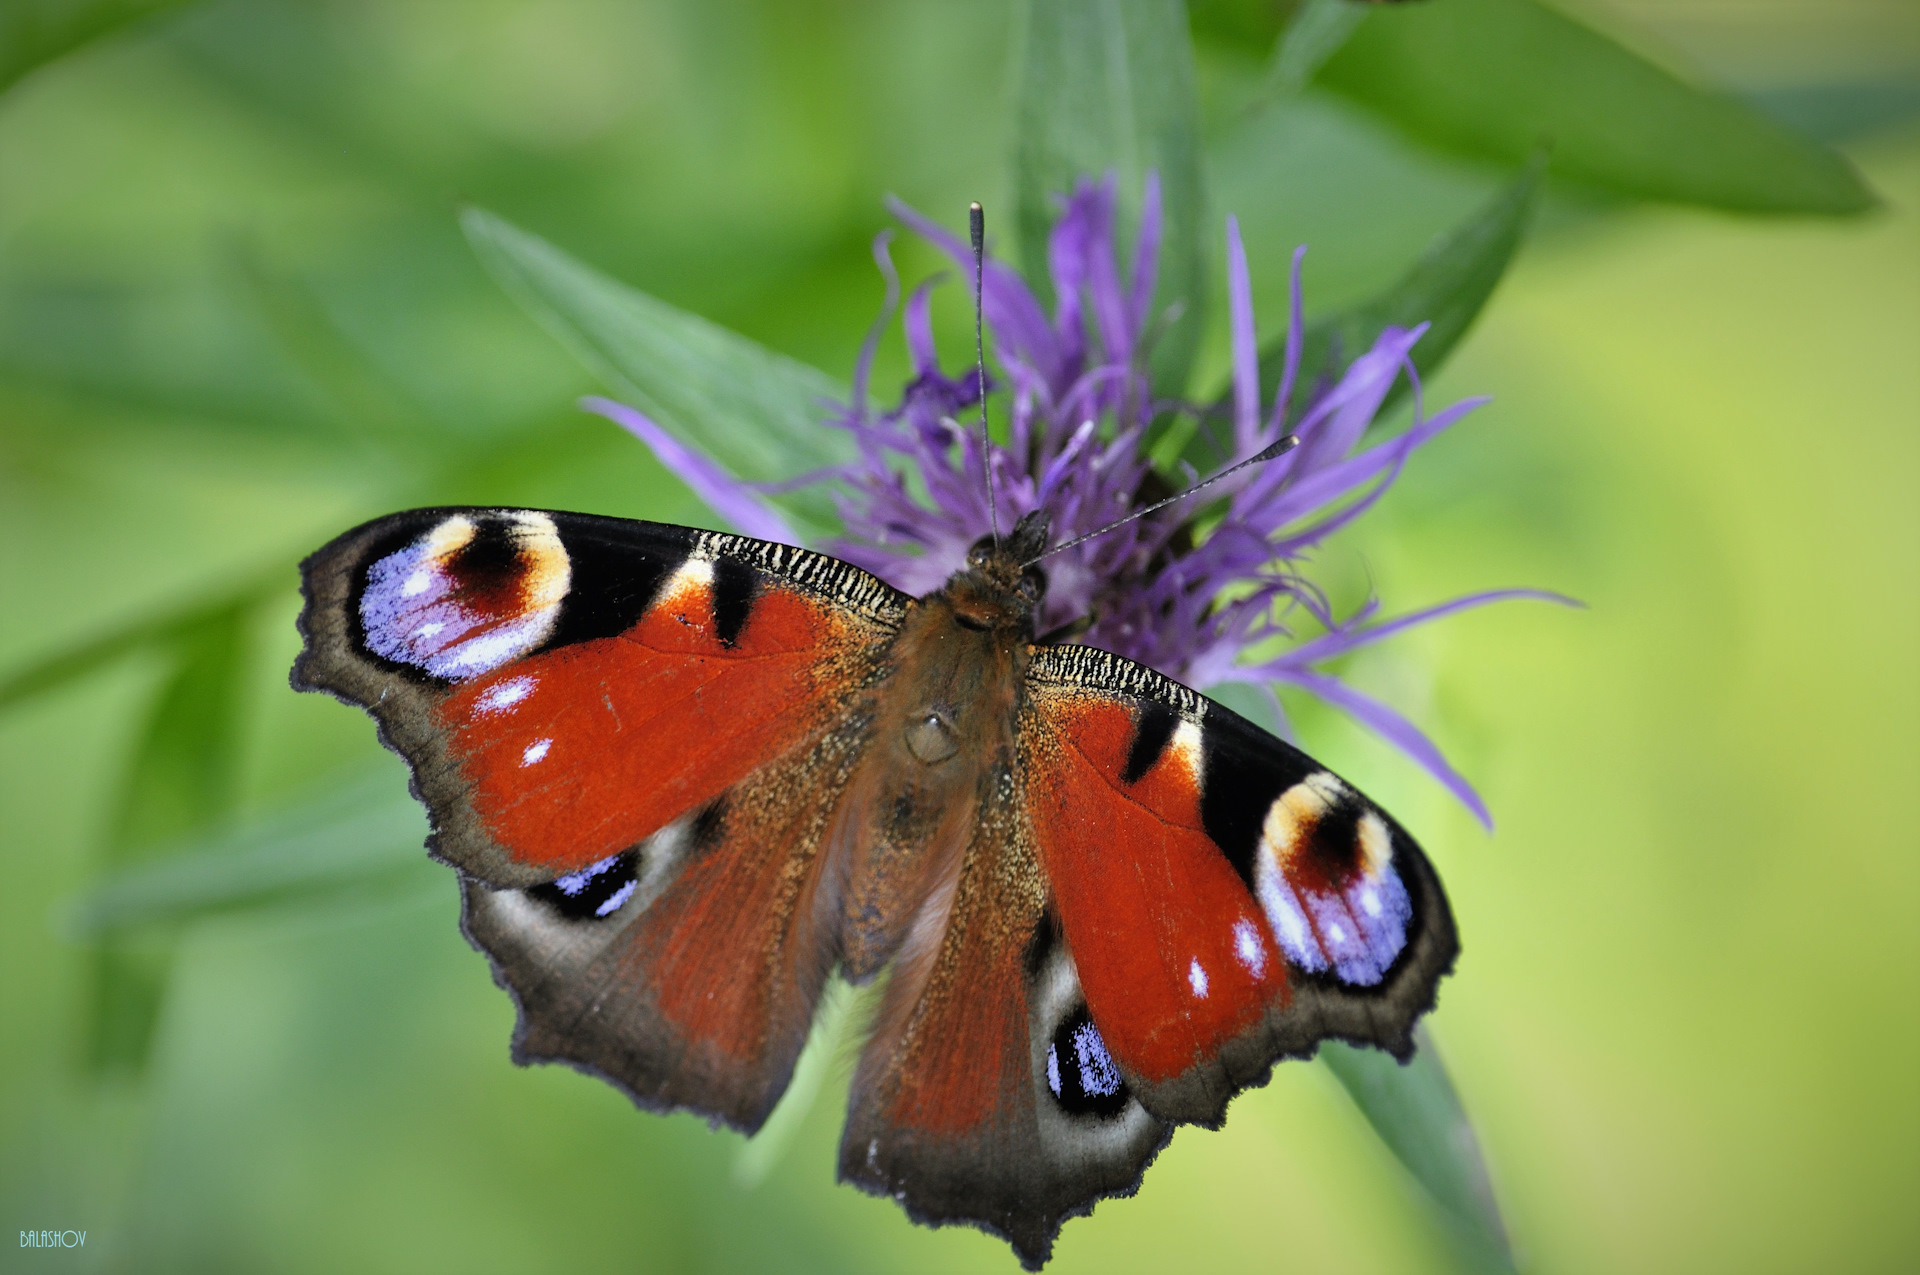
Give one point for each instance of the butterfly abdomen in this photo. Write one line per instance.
(944, 721)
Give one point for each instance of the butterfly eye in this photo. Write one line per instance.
(981, 551)
(1033, 585)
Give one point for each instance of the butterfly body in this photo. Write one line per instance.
(685, 776)
(945, 723)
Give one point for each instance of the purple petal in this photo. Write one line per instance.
(726, 495)
(1334, 481)
(1292, 544)
(1296, 328)
(1146, 256)
(1352, 636)
(1337, 421)
(1068, 251)
(1396, 730)
(1061, 467)
(1103, 281)
(863, 366)
(918, 322)
(1016, 318)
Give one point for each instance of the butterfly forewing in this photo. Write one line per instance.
(565, 686)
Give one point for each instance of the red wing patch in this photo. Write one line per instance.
(564, 686)
(575, 754)
(687, 969)
(1168, 940)
(985, 1094)
(1227, 900)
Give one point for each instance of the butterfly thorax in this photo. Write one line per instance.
(999, 588)
(943, 734)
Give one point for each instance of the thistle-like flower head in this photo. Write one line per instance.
(1189, 596)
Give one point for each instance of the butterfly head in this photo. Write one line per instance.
(999, 586)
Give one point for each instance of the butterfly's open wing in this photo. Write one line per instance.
(630, 738)
(1227, 900)
(687, 969)
(564, 685)
(984, 1095)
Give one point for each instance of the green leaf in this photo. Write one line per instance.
(361, 831)
(1495, 78)
(181, 780)
(758, 413)
(183, 770)
(126, 988)
(1243, 25)
(36, 32)
(373, 414)
(1417, 1113)
(1446, 288)
(1315, 33)
(1108, 86)
(58, 670)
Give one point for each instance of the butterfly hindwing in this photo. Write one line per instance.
(564, 686)
(687, 969)
(985, 1095)
(1227, 900)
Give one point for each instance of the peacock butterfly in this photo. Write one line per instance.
(685, 775)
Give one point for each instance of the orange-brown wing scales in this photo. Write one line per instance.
(577, 753)
(1185, 962)
(985, 1095)
(686, 970)
(564, 686)
(1228, 902)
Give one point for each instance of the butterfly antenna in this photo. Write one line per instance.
(1278, 449)
(977, 227)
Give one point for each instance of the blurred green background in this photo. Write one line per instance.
(237, 315)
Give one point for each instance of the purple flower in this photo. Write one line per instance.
(1190, 600)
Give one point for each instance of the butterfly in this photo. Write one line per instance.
(685, 776)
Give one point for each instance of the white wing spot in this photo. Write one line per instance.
(1247, 948)
(535, 751)
(693, 578)
(1197, 978)
(1185, 746)
(499, 698)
